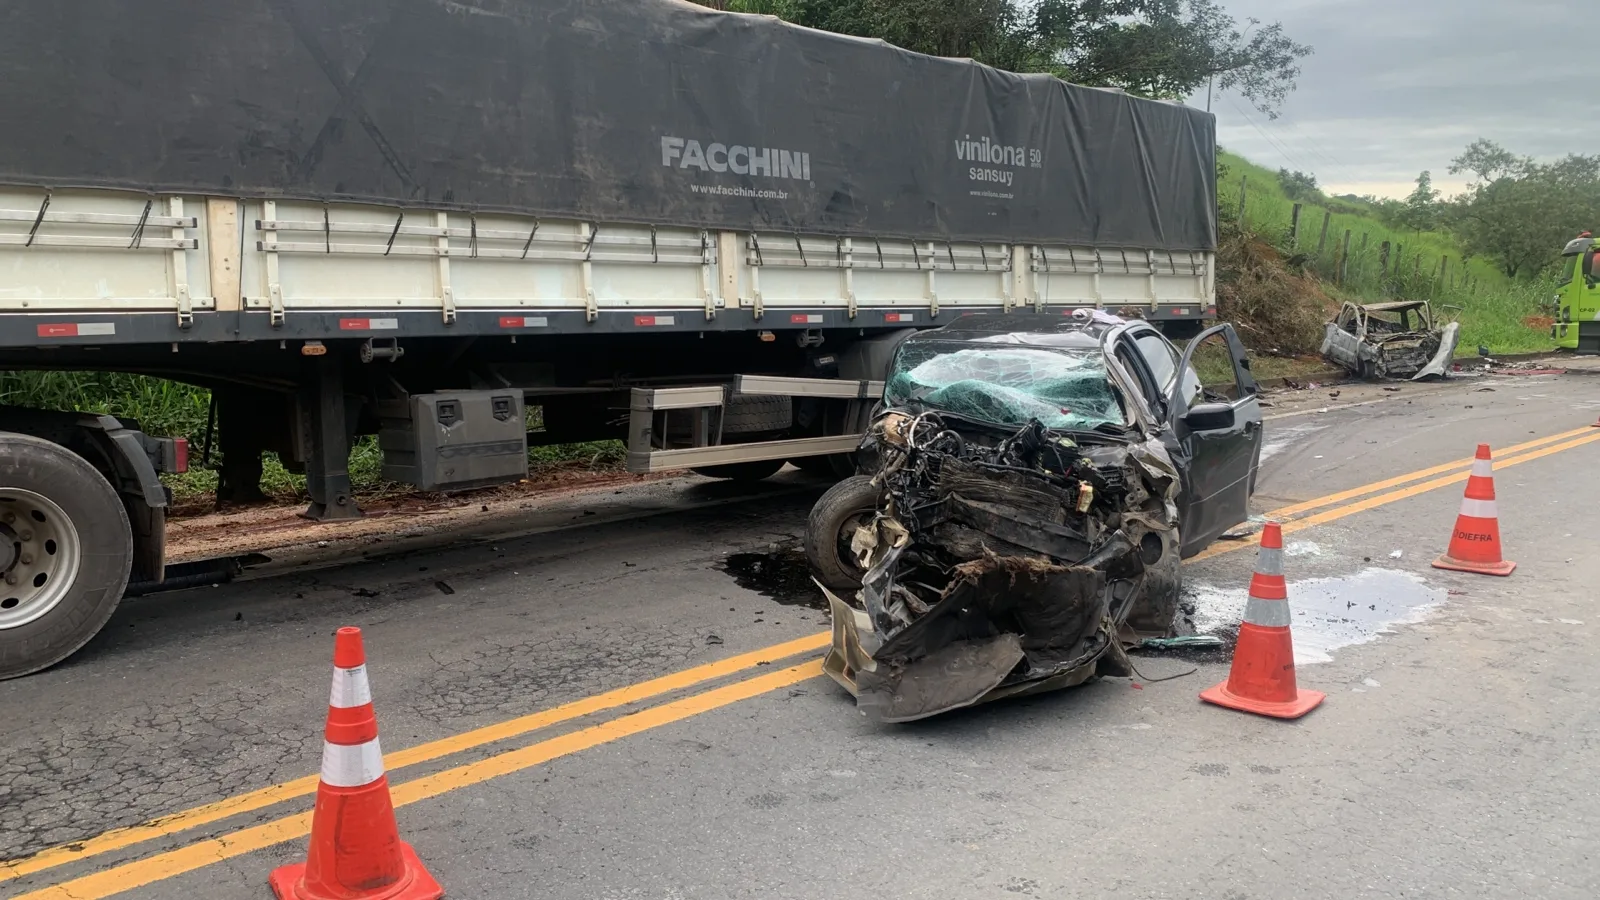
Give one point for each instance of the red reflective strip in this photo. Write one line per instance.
(510, 321)
(644, 321)
(355, 324)
(1268, 587)
(59, 329)
(347, 649)
(897, 317)
(352, 725)
(180, 455)
(1272, 536)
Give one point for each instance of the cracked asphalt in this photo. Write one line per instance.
(1452, 758)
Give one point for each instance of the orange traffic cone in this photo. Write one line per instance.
(356, 852)
(1262, 678)
(1475, 544)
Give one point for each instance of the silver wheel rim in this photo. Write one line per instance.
(41, 556)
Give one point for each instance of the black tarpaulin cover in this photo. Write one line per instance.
(651, 111)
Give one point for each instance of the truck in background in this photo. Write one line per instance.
(531, 210)
(1577, 300)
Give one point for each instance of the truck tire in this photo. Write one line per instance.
(757, 413)
(67, 549)
(745, 471)
(846, 506)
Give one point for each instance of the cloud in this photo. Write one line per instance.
(1398, 86)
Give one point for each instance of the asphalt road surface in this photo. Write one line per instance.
(608, 706)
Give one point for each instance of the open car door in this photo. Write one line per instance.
(1219, 436)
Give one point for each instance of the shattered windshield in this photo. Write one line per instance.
(1006, 385)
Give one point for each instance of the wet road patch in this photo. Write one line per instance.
(780, 572)
(1329, 613)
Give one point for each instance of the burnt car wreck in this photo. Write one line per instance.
(1028, 505)
(1397, 340)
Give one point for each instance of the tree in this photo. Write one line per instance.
(1299, 186)
(1490, 162)
(1420, 210)
(1520, 212)
(1155, 48)
(1168, 48)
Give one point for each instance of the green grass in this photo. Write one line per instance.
(1493, 308)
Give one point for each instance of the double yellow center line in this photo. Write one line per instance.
(200, 853)
(1295, 516)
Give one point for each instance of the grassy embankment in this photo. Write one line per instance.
(1503, 314)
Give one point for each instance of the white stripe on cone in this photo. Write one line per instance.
(351, 766)
(1482, 468)
(1479, 509)
(1267, 613)
(1269, 561)
(350, 688)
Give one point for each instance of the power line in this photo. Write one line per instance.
(1282, 150)
(1282, 144)
(1311, 143)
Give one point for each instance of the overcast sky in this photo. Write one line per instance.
(1398, 86)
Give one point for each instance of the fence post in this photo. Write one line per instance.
(1399, 249)
(1383, 262)
(1322, 242)
(1294, 228)
(1244, 186)
(1361, 257)
(1444, 270)
(1344, 258)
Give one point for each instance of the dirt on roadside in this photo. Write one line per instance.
(197, 531)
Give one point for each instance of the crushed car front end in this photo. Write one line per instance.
(1025, 525)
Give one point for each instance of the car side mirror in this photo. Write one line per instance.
(1209, 417)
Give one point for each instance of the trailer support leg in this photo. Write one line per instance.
(327, 465)
(242, 420)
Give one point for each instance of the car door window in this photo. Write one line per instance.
(1347, 320)
(1134, 363)
(1159, 354)
(1163, 360)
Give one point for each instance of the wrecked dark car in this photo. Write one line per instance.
(1391, 340)
(1029, 485)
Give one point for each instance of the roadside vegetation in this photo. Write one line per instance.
(1280, 283)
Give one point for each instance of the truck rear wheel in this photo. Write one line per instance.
(65, 552)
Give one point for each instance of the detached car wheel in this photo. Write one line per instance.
(845, 507)
(65, 552)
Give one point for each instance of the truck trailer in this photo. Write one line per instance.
(698, 232)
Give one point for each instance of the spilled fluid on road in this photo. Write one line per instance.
(780, 573)
(1329, 613)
